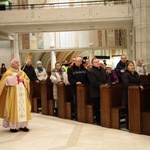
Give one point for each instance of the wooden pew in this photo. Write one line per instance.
(64, 101)
(61, 95)
(81, 102)
(47, 98)
(84, 106)
(35, 96)
(110, 105)
(69, 99)
(50, 97)
(143, 77)
(139, 109)
(89, 107)
(44, 99)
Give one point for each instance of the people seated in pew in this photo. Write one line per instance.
(141, 67)
(112, 77)
(129, 78)
(58, 76)
(120, 68)
(77, 74)
(96, 76)
(41, 72)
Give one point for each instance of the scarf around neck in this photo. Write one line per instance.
(40, 69)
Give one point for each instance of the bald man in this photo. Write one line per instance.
(14, 98)
(29, 70)
(120, 68)
(77, 74)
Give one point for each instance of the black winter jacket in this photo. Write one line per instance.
(129, 79)
(77, 74)
(96, 77)
(120, 66)
(29, 70)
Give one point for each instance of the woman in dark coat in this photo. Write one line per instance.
(129, 78)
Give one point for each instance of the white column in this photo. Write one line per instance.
(141, 25)
(91, 54)
(15, 51)
(53, 59)
(129, 52)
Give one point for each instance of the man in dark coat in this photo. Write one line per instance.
(77, 74)
(96, 77)
(29, 70)
(120, 68)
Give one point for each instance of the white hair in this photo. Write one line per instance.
(13, 61)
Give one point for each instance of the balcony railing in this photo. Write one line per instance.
(67, 4)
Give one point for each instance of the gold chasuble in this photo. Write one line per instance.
(15, 105)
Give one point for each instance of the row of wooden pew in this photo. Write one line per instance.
(111, 109)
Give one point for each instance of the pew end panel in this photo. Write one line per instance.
(105, 105)
(35, 96)
(134, 105)
(44, 100)
(81, 103)
(50, 98)
(68, 111)
(146, 109)
(61, 95)
(69, 100)
(51, 107)
(110, 103)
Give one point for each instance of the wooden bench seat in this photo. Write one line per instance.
(110, 105)
(117, 113)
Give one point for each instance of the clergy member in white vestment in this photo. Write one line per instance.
(15, 105)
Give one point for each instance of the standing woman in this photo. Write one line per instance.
(58, 76)
(41, 72)
(141, 67)
(129, 78)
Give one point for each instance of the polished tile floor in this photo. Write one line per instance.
(52, 133)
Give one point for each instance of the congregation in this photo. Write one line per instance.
(77, 72)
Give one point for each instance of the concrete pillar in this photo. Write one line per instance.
(53, 59)
(91, 54)
(141, 27)
(15, 51)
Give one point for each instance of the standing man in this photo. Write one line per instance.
(96, 77)
(120, 68)
(77, 74)
(29, 70)
(14, 98)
